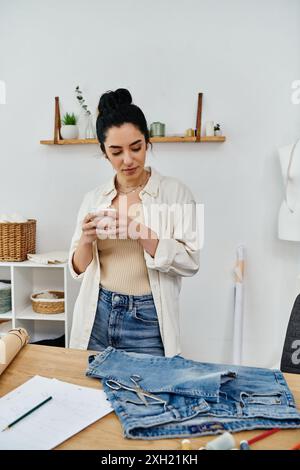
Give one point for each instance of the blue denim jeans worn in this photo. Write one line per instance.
(164, 397)
(126, 322)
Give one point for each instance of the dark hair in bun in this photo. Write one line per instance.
(116, 108)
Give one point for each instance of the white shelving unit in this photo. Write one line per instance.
(26, 278)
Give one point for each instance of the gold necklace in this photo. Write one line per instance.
(133, 190)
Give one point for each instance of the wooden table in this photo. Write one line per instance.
(70, 365)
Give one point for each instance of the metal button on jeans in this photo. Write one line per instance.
(116, 298)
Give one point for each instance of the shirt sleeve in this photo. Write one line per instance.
(83, 210)
(179, 254)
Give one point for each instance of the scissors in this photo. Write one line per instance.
(142, 394)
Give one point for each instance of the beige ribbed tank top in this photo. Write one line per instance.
(122, 263)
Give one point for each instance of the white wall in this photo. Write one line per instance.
(244, 57)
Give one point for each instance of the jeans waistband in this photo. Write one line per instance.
(124, 299)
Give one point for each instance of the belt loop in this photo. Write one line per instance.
(130, 302)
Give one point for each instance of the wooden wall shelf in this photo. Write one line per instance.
(152, 139)
(188, 139)
(57, 140)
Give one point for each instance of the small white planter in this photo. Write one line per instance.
(69, 132)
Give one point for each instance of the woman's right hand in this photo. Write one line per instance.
(95, 225)
(89, 234)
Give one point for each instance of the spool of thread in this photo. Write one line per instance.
(224, 442)
(186, 444)
(244, 445)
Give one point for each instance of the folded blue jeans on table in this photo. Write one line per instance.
(164, 397)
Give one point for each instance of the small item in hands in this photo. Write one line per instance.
(28, 413)
(105, 219)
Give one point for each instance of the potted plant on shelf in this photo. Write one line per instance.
(69, 129)
(217, 129)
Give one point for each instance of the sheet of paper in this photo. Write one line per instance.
(72, 409)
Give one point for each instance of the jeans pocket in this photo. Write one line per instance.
(146, 313)
(261, 398)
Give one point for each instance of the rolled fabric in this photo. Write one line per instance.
(4, 218)
(238, 306)
(17, 217)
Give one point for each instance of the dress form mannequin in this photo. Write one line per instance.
(289, 213)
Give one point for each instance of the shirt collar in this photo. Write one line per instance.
(150, 188)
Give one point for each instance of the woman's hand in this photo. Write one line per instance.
(83, 254)
(89, 224)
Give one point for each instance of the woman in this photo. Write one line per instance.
(131, 260)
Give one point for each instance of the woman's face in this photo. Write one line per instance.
(125, 148)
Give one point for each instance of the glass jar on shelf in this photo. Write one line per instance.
(89, 132)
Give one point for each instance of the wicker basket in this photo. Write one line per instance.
(48, 305)
(17, 239)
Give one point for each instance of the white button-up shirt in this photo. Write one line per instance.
(177, 254)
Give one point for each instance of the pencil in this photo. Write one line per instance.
(296, 447)
(263, 435)
(28, 413)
